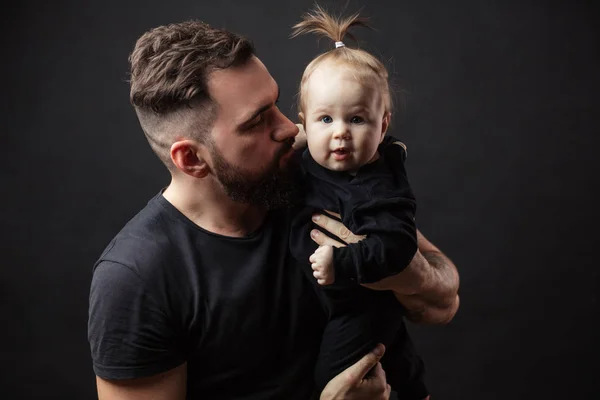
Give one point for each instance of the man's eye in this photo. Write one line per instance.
(327, 119)
(257, 121)
(357, 120)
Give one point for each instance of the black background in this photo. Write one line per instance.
(499, 109)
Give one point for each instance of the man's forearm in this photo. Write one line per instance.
(420, 311)
(428, 287)
(438, 301)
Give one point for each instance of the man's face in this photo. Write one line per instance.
(251, 140)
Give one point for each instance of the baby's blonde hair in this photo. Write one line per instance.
(366, 67)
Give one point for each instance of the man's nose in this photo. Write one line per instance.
(286, 129)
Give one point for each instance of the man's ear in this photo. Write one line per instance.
(385, 124)
(189, 157)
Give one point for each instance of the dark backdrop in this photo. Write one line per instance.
(501, 117)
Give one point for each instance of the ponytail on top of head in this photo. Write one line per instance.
(366, 68)
(318, 21)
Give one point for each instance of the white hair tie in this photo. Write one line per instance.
(339, 44)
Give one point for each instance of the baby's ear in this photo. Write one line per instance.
(385, 124)
(301, 117)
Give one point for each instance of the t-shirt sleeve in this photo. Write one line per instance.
(129, 334)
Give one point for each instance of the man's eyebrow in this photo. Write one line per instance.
(261, 109)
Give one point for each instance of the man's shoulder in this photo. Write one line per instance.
(159, 238)
(145, 240)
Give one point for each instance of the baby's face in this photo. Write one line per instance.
(344, 119)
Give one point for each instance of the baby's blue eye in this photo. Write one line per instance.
(327, 119)
(357, 120)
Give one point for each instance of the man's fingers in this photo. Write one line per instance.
(378, 382)
(378, 372)
(365, 364)
(323, 240)
(336, 228)
(338, 216)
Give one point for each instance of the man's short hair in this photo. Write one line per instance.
(170, 66)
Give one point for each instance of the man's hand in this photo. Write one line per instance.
(334, 227)
(321, 262)
(353, 384)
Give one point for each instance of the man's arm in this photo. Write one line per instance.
(429, 292)
(170, 385)
(427, 287)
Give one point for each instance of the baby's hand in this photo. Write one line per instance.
(322, 264)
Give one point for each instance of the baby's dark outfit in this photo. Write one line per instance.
(377, 202)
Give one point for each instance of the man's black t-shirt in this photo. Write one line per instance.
(237, 310)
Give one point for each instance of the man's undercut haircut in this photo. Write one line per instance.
(170, 68)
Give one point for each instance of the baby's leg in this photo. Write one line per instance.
(359, 318)
(346, 339)
(403, 367)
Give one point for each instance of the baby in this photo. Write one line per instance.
(352, 169)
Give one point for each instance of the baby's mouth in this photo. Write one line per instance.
(340, 153)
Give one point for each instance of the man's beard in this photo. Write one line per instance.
(276, 187)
